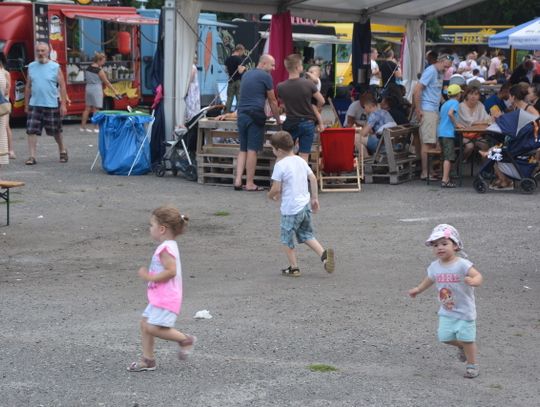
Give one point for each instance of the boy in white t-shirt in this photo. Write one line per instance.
(290, 181)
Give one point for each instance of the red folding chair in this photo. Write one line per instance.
(339, 169)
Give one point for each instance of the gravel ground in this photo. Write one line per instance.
(70, 297)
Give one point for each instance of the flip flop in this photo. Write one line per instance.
(257, 189)
(238, 187)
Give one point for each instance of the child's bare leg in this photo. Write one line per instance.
(147, 340)
(169, 334)
(447, 165)
(291, 256)
(314, 245)
(470, 352)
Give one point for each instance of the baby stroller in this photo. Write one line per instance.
(517, 132)
(180, 152)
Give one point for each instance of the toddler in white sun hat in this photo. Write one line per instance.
(455, 279)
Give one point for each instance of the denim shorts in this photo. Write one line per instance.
(159, 316)
(372, 143)
(298, 225)
(451, 329)
(304, 133)
(251, 135)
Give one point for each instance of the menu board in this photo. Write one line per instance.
(41, 22)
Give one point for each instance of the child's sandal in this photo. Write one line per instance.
(144, 365)
(186, 347)
(471, 371)
(291, 271)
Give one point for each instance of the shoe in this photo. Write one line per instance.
(238, 187)
(12, 155)
(89, 130)
(471, 371)
(186, 347)
(448, 184)
(144, 365)
(461, 355)
(96, 130)
(291, 271)
(328, 260)
(64, 157)
(256, 189)
(30, 161)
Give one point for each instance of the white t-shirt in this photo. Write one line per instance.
(292, 171)
(494, 66)
(468, 66)
(475, 78)
(375, 80)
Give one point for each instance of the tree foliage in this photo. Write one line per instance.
(494, 12)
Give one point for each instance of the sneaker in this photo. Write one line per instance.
(328, 260)
(291, 271)
(186, 347)
(96, 130)
(461, 355)
(471, 371)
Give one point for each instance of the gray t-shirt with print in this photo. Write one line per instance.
(456, 297)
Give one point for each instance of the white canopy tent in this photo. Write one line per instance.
(181, 25)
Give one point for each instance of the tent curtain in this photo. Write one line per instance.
(361, 52)
(413, 54)
(281, 44)
(186, 44)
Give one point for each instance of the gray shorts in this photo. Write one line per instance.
(298, 225)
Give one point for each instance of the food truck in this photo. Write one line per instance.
(74, 33)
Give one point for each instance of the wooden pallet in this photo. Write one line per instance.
(220, 169)
(406, 170)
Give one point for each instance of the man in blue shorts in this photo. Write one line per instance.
(45, 85)
(297, 94)
(256, 87)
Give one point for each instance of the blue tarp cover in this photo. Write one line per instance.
(120, 137)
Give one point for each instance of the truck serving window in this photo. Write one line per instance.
(16, 57)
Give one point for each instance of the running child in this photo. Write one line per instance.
(455, 279)
(290, 182)
(164, 291)
(446, 130)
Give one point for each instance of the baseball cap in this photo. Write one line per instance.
(454, 90)
(445, 230)
(457, 79)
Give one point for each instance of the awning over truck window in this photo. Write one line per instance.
(127, 18)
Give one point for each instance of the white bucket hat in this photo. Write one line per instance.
(444, 230)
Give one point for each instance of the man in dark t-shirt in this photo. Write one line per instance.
(235, 69)
(389, 69)
(257, 88)
(296, 94)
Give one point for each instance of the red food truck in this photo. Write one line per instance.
(74, 34)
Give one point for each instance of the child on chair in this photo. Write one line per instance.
(290, 182)
(455, 278)
(164, 279)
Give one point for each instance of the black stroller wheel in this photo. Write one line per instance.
(480, 185)
(527, 185)
(174, 171)
(159, 170)
(191, 173)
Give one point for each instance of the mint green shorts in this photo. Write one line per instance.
(451, 329)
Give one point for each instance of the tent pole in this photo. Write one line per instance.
(169, 85)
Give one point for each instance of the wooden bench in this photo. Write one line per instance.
(392, 161)
(5, 186)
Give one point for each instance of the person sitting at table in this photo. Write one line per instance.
(392, 106)
(378, 120)
(518, 96)
(533, 96)
(498, 104)
(355, 116)
(471, 113)
(523, 73)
